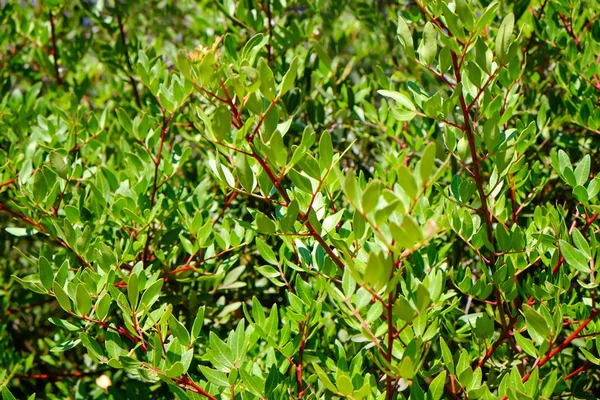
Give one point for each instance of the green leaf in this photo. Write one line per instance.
(179, 331)
(7, 395)
(399, 98)
(352, 190)
(592, 358)
(61, 296)
(536, 322)
(403, 309)
(436, 387)
(46, 273)
(220, 351)
(59, 166)
(407, 368)
(428, 162)
(549, 384)
(198, 322)
(215, 377)
(72, 213)
(371, 195)
(175, 370)
(525, 344)
(503, 39)
(344, 384)
(151, 294)
(133, 291)
(407, 181)
(291, 215)
(264, 224)
(68, 345)
(324, 379)
(267, 82)
(187, 245)
(124, 120)
(258, 313)
(405, 38)
(103, 306)
(221, 123)
(92, 346)
(447, 355)
(428, 47)
(465, 14)
(325, 151)
(422, 298)
(83, 300)
(245, 174)
(20, 232)
(582, 172)
(581, 243)
(580, 194)
(574, 257)
(288, 79)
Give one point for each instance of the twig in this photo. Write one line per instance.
(54, 49)
(131, 80)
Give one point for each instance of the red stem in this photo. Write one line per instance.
(187, 384)
(505, 334)
(8, 182)
(165, 129)
(136, 95)
(569, 29)
(578, 370)
(560, 347)
(54, 49)
(57, 376)
(299, 364)
(476, 170)
(389, 390)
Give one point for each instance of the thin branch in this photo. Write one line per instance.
(136, 94)
(569, 29)
(54, 49)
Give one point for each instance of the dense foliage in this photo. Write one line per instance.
(239, 199)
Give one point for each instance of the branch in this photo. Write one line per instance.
(131, 80)
(164, 130)
(476, 170)
(569, 29)
(54, 49)
(560, 347)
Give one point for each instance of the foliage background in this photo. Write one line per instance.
(146, 239)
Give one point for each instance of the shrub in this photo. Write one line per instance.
(262, 199)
